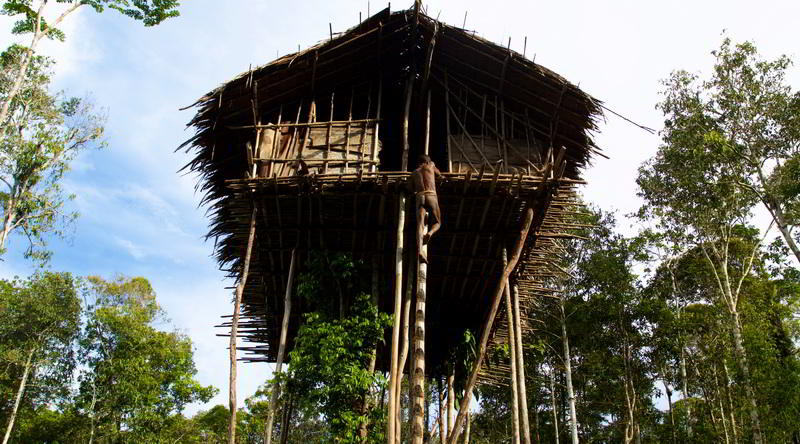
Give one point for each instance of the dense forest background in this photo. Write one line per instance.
(686, 331)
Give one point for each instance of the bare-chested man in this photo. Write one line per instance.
(423, 183)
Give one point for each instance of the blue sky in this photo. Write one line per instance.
(139, 217)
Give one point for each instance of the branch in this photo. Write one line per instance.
(750, 260)
(716, 276)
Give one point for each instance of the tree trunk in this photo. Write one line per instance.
(553, 401)
(20, 390)
(668, 392)
(775, 210)
(686, 400)
(741, 356)
(235, 327)
(466, 432)
(91, 408)
(573, 420)
(730, 402)
(8, 222)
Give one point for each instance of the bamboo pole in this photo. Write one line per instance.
(287, 309)
(428, 123)
(398, 293)
(451, 400)
(523, 393)
(487, 327)
(234, 327)
(512, 342)
(418, 372)
(374, 148)
(406, 112)
(406, 340)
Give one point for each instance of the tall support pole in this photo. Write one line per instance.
(523, 393)
(487, 326)
(406, 340)
(287, 310)
(406, 113)
(451, 400)
(418, 371)
(428, 124)
(512, 342)
(235, 327)
(394, 394)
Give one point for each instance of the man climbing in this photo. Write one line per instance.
(423, 184)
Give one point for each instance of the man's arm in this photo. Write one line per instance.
(437, 173)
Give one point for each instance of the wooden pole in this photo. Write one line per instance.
(512, 342)
(235, 327)
(418, 371)
(428, 123)
(451, 400)
(287, 310)
(523, 394)
(406, 112)
(374, 148)
(398, 294)
(487, 327)
(406, 340)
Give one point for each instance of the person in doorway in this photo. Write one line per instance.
(423, 184)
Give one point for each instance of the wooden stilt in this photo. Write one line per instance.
(287, 310)
(418, 369)
(406, 112)
(487, 326)
(428, 123)
(523, 395)
(235, 327)
(398, 293)
(442, 420)
(406, 340)
(451, 400)
(512, 342)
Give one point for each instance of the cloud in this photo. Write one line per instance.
(131, 248)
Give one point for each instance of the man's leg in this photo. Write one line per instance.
(421, 212)
(432, 202)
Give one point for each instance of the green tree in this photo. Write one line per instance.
(32, 20)
(39, 322)
(135, 376)
(688, 190)
(744, 119)
(41, 136)
(330, 361)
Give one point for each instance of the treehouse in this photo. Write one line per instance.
(312, 152)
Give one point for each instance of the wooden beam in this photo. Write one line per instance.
(487, 327)
(234, 327)
(418, 369)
